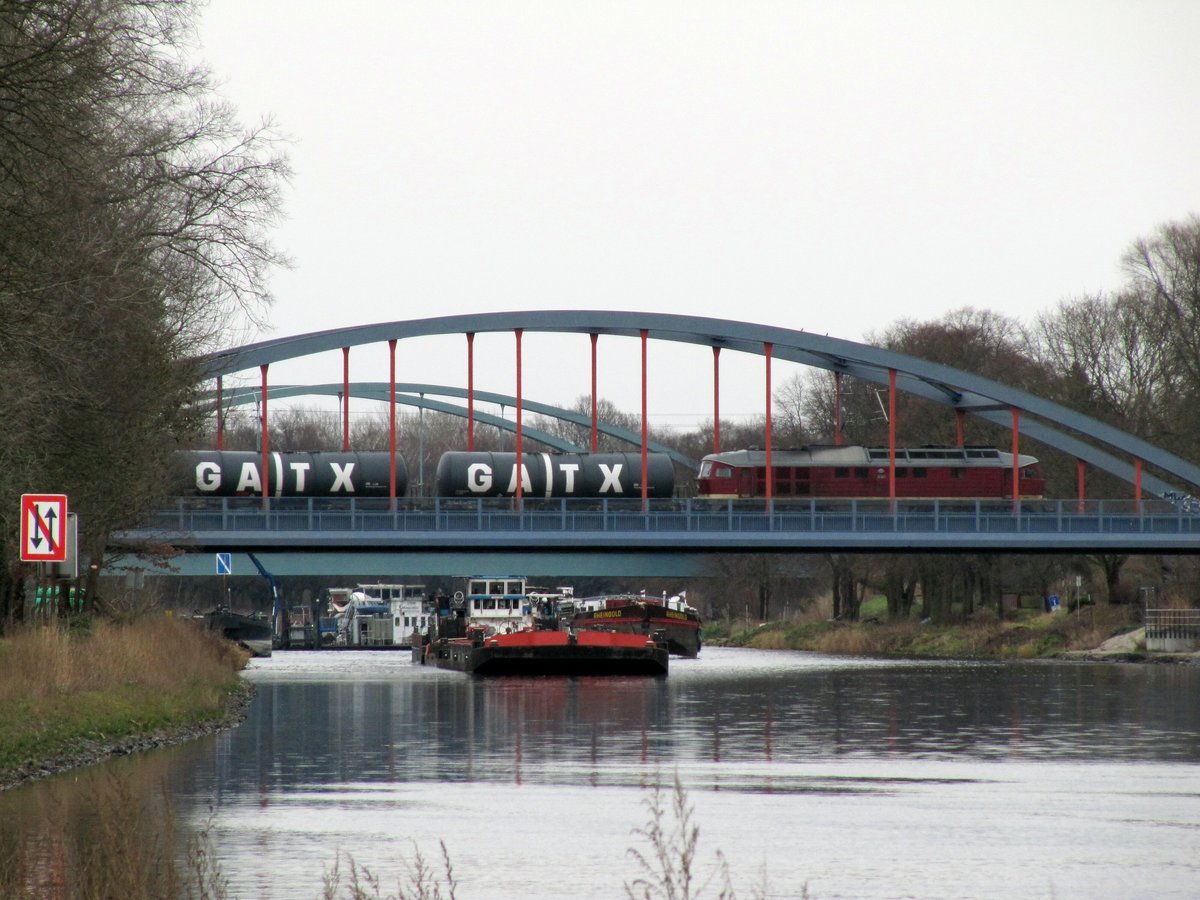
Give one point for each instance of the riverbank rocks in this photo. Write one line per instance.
(86, 753)
(1130, 647)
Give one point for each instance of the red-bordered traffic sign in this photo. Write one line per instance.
(43, 527)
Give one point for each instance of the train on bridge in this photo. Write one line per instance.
(835, 472)
(232, 473)
(855, 472)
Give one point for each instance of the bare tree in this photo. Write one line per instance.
(1112, 359)
(134, 219)
(788, 427)
(1164, 269)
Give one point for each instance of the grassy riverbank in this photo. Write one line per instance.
(1032, 636)
(67, 695)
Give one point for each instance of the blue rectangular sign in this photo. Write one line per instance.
(224, 563)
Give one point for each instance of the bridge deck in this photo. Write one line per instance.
(673, 525)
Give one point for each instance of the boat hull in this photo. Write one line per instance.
(251, 633)
(547, 653)
(681, 629)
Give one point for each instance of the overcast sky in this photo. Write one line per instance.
(827, 166)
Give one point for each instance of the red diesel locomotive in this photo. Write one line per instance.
(856, 471)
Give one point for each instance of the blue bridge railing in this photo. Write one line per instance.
(726, 525)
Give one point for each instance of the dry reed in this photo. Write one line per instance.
(154, 653)
(60, 687)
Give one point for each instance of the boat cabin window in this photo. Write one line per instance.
(495, 587)
(514, 587)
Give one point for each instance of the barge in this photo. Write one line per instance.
(635, 614)
(499, 627)
(251, 632)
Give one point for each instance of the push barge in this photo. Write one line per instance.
(501, 628)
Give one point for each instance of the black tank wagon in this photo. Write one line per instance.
(466, 474)
(233, 473)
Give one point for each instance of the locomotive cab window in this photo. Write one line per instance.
(840, 472)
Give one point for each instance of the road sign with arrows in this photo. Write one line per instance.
(43, 527)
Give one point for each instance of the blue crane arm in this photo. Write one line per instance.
(262, 570)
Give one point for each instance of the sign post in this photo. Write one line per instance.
(69, 567)
(43, 527)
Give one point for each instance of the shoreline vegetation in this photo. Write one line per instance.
(72, 695)
(1103, 633)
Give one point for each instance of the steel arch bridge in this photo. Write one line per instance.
(1086, 439)
(308, 536)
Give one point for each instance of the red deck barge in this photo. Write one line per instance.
(547, 653)
(497, 628)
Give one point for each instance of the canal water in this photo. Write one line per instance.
(839, 777)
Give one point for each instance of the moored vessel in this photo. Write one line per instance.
(670, 617)
(376, 616)
(499, 627)
(251, 632)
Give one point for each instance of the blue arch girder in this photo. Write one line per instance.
(960, 390)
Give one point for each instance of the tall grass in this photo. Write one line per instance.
(64, 689)
(667, 860)
(669, 864)
(422, 881)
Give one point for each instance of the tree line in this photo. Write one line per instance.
(135, 220)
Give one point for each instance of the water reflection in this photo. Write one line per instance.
(874, 767)
(389, 722)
